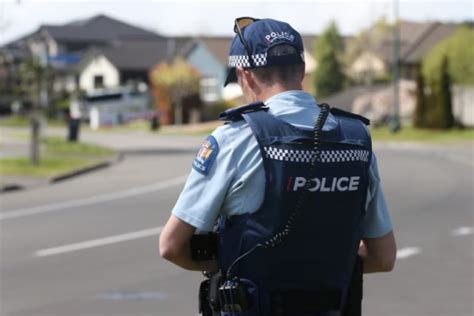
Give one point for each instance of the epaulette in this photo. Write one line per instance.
(339, 112)
(235, 114)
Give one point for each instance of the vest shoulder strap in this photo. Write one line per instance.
(235, 114)
(339, 112)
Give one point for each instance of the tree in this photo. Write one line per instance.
(438, 111)
(368, 41)
(459, 51)
(419, 118)
(450, 62)
(328, 78)
(445, 97)
(33, 75)
(173, 82)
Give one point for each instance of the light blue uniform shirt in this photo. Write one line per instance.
(235, 183)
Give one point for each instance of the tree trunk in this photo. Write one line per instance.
(178, 112)
(35, 139)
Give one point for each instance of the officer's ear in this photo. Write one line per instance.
(247, 76)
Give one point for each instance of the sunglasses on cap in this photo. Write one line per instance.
(239, 25)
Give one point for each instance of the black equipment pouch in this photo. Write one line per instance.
(208, 295)
(233, 297)
(204, 306)
(204, 247)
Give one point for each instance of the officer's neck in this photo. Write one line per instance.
(276, 88)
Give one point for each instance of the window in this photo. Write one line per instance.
(98, 82)
(209, 92)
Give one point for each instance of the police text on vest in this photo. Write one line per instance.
(325, 184)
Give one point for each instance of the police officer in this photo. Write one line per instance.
(296, 202)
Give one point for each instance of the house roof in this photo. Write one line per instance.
(16, 50)
(416, 40)
(137, 55)
(437, 33)
(100, 28)
(219, 46)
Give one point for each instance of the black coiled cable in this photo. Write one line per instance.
(281, 236)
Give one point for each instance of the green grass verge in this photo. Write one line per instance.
(59, 157)
(49, 166)
(165, 130)
(411, 134)
(136, 125)
(190, 130)
(25, 121)
(57, 146)
(15, 121)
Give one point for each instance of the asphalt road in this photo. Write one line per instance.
(89, 246)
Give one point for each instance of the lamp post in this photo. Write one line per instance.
(395, 125)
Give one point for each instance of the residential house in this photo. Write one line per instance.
(123, 62)
(62, 47)
(209, 56)
(416, 41)
(102, 52)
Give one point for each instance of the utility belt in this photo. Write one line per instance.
(219, 296)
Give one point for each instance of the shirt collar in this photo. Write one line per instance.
(287, 103)
(292, 98)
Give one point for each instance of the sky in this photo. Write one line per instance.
(187, 17)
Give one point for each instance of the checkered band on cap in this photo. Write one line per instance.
(327, 156)
(243, 60)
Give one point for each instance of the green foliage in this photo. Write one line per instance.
(440, 114)
(173, 83)
(367, 41)
(450, 62)
(178, 78)
(328, 78)
(419, 117)
(445, 97)
(459, 50)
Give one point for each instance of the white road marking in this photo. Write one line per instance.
(135, 296)
(407, 252)
(463, 231)
(459, 159)
(93, 199)
(98, 242)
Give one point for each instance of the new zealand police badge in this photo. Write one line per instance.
(206, 155)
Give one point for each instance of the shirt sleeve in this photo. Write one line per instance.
(201, 200)
(377, 221)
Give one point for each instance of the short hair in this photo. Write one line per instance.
(285, 73)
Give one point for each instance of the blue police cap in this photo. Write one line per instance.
(260, 36)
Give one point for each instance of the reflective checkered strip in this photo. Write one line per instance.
(326, 155)
(243, 60)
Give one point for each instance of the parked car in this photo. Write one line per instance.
(119, 106)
